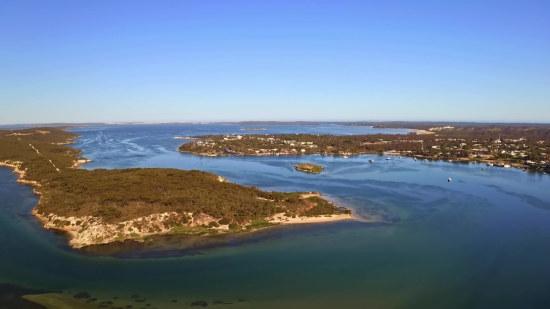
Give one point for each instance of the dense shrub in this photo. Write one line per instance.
(234, 226)
(125, 194)
(224, 221)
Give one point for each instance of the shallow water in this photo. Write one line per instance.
(480, 241)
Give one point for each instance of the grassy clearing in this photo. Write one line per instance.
(258, 224)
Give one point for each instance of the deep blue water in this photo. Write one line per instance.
(480, 241)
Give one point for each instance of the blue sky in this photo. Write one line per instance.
(101, 61)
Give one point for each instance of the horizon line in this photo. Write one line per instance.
(272, 121)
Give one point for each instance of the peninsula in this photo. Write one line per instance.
(101, 206)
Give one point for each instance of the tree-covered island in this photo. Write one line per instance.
(102, 206)
(309, 168)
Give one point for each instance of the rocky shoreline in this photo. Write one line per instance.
(88, 230)
(16, 166)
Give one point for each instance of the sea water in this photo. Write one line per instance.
(479, 241)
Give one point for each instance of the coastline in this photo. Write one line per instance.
(88, 230)
(513, 164)
(283, 220)
(16, 168)
(99, 233)
(273, 154)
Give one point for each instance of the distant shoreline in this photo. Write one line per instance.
(423, 132)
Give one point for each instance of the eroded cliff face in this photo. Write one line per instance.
(80, 161)
(86, 231)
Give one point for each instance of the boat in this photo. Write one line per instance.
(489, 164)
(449, 180)
(345, 157)
(415, 159)
(388, 159)
(506, 166)
(425, 160)
(450, 161)
(371, 161)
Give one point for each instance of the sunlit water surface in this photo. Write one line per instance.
(479, 241)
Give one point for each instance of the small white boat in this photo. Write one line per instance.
(371, 161)
(388, 159)
(506, 166)
(345, 157)
(450, 161)
(415, 159)
(489, 164)
(544, 173)
(449, 180)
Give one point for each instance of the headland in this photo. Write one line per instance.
(102, 206)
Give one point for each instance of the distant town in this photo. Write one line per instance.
(499, 147)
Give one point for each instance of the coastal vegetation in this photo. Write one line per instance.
(130, 203)
(309, 168)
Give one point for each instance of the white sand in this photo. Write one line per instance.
(424, 132)
(282, 219)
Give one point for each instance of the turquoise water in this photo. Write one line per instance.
(480, 241)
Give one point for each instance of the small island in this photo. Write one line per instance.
(309, 168)
(102, 206)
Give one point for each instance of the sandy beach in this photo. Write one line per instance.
(282, 219)
(423, 132)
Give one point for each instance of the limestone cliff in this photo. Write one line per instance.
(90, 230)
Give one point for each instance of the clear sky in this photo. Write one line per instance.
(102, 61)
